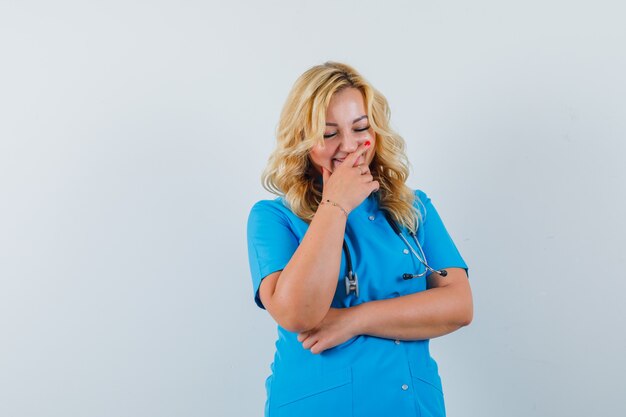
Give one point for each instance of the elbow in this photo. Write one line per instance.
(461, 315)
(466, 316)
(297, 320)
(298, 323)
(466, 320)
(465, 309)
(460, 320)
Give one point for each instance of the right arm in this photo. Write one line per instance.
(299, 296)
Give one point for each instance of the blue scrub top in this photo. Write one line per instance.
(366, 375)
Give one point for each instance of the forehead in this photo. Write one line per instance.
(346, 104)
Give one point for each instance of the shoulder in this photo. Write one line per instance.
(421, 202)
(269, 210)
(277, 205)
(268, 205)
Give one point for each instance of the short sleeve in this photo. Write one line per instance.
(271, 242)
(439, 249)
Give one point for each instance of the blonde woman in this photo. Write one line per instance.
(357, 270)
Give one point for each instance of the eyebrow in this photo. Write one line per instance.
(354, 121)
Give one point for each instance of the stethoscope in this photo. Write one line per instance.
(352, 280)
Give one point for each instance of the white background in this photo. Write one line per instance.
(132, 139)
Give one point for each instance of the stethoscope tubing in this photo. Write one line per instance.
(427, 267)
(351, 279)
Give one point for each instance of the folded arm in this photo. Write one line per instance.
(299, 296)
(445, 307)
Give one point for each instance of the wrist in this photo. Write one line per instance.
(333, 203)
(357, 319)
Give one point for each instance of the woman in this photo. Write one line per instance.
(351, 344)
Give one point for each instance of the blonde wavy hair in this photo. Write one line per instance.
(289, 172)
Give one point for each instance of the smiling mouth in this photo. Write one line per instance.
(359, 161)
(336, 163)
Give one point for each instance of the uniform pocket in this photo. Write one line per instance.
(428, 393)
(328, 396)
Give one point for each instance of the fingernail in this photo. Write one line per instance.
(368, 143)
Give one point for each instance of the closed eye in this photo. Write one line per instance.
(330, 135)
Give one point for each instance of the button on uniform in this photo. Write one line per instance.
(371, 217)
(405, 387)
(397, 342)
(405, 251)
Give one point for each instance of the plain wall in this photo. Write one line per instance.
(132, 139)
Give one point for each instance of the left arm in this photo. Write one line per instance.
(445, 307)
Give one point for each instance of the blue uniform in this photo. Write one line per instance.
(366, 375)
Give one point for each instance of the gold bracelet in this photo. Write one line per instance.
(336, 205)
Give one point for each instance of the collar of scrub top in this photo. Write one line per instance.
(351, 279)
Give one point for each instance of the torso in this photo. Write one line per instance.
(365, 376)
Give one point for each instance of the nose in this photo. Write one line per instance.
(349, 142)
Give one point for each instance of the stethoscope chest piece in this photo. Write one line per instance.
(352, 283)
(351, 280)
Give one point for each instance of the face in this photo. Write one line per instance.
(347, 127)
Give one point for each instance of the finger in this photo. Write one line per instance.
(308, 342)
(317, 348)
(325, 175)
(302, 336)
(352, 158)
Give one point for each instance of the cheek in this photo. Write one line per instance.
(315, 155)
(322, 153)
(372, 151)
(370, 136)
(319, 155)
